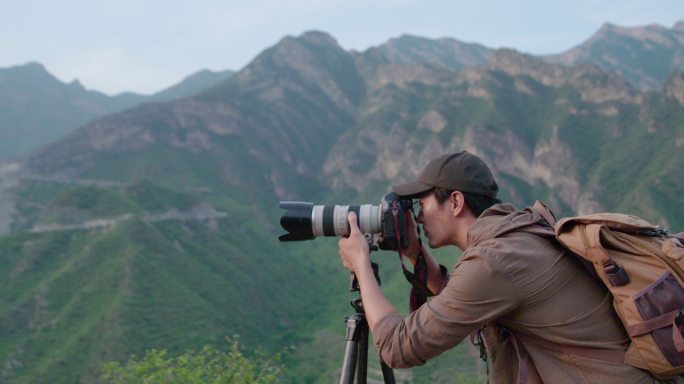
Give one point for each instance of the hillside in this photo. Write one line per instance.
(164, 277)
(156, 227)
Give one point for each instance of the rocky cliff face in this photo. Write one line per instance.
(675, 86)
(644, 56)
(546, 129)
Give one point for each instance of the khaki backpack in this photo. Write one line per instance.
(643, 267)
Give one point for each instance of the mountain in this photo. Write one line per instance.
(576, 136)
(37, 108)
(447, 52)
(156, 227)
(274, 118)
(644, 56)
(192, 84)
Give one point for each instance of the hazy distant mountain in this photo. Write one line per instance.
(156, 227)
(192, 84)
(37, 108)
(450, 53)
(645, 56)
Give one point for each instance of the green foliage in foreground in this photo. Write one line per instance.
(209, 365)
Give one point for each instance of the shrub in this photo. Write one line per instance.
(210, 365)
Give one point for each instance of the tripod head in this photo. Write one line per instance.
(353, 281)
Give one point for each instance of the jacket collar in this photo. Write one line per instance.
(502, 218)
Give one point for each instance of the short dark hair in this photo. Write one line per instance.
(476, 203)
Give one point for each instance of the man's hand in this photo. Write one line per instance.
(413, 249)
(354, 250)
(436, 278)
(355, 257)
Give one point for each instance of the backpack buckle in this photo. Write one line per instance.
(616, 274)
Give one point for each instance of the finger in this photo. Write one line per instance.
(353, 226)
(410, 221)
(344, 261)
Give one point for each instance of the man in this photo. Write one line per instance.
(543, 317)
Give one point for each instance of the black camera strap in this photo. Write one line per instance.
(418, 280)
(419, 277)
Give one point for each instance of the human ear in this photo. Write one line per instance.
(457, 203)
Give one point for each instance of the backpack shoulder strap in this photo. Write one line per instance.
(545, 212)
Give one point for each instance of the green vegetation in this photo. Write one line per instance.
(209, 365)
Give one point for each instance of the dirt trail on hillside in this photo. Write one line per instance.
(11, 175)
(201, 212)
(9, 178)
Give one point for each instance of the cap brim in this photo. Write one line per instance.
(412, 189)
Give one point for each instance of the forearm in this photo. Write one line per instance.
(375, 304)
(479, 291)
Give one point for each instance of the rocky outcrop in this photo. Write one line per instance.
(674, 87)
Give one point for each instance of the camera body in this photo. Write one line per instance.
(306, 221)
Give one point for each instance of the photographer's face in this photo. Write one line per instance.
(436, 220)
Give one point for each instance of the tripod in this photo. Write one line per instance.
(356, 350)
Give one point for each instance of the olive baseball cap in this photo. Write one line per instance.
(460, 171)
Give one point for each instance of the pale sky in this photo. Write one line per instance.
(147, 45)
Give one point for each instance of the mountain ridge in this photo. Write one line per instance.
(612, 47)
(644, 55)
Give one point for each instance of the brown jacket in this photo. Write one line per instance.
(514, 276)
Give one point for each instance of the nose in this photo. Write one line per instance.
(419, 218)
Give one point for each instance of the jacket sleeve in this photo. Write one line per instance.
(478, 291)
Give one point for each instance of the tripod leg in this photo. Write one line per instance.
(362, 362)
(349, 364)
(387, 373)
(355, 325)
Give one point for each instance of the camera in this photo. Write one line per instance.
(306, 221)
